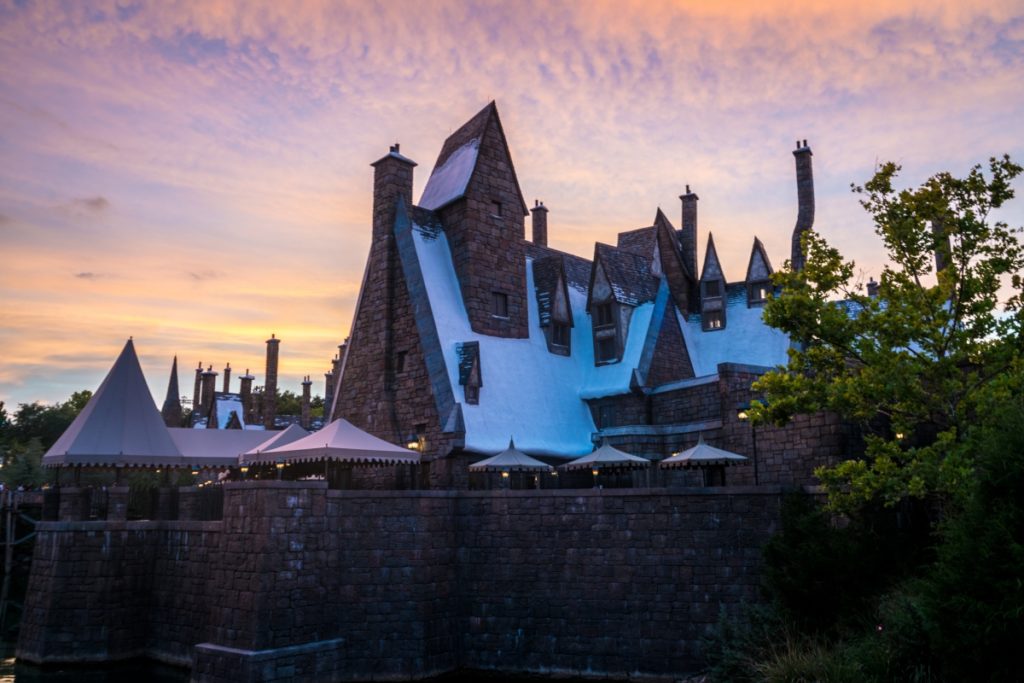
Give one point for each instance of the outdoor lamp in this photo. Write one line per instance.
(504, 475)
(244, 468)
(595, 471)
(279, 465)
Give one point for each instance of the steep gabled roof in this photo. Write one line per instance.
(712, 269)
(548, 274)
(457, 161)
(640, 241)
(629, 275)
(120, 424)
(759, 267)
(577, 268)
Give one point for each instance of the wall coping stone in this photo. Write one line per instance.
(684, 384)
(135, 525)
(658, 430)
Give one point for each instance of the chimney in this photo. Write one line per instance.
(245, 387)
(227, 378)
(197, 393)
(328, 392)
(942, 245)
(171, 411)
(805, 201)
(270, 388)
(392, 178)
(209, 389)
(306, 384)
(872, 288)
(688, 236)
(540, 223)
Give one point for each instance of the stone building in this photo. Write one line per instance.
(467, 333)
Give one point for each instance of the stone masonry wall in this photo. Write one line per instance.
(301, 583)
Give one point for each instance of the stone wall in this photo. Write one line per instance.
(301, 583)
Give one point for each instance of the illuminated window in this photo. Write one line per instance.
(713, 320)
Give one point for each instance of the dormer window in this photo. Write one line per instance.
(713, 320)
(605, 350)
(712, 288)
(603, 315)
(560, 334)
(472, 393)
(757, 292)
(499, 304)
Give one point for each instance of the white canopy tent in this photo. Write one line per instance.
(340, 441)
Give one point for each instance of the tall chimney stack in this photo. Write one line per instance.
(688, 236)
(245, 388)
(227, 378)
(270, 387)
(209, 389)
(540, 223)
(306, 385)
(197, 394)
(805, 201)
(392, 178)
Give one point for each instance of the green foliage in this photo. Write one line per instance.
(43, 422)
(912, 364)
(23, 465)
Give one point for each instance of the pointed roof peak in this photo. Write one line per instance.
(759, 267)
(120, 424)
(712, 269)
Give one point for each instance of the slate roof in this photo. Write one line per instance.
(640, 241)
(628, 274)
(577, 268)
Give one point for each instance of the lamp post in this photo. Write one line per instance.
(743, 415)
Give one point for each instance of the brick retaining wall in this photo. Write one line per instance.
(301, 583)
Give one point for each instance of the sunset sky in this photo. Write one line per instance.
(196, 174)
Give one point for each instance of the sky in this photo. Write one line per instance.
(196, 175)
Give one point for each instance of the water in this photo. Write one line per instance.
(121, 672)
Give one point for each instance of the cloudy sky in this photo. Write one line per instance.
(196, 174)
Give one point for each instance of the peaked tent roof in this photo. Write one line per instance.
(286, 436)
(703, 455)
(607, 456)
(341, 441)
(214, 447)
(510, 460)
(120, 425)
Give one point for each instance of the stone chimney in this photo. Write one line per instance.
(245, 388)
(805, 201)
(688, 236)
(392, 178)
(306, 387)
(540, 223)
(197, 393)
(171, 411)
(942, 245)
(209, 389)
(227, 378)
(328, 391)
(270, 386)
(872, 288)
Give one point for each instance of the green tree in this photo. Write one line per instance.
(911, 363)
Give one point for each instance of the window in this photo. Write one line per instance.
(472, 394)
(713, 320)
(606, 350)
(559, 334)
(499, 304)
(758, 292)
(603, 315)
(713, 288)
(496, 209)
(606, 417)
(400, 362)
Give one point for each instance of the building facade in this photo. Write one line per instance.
(467, 333)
